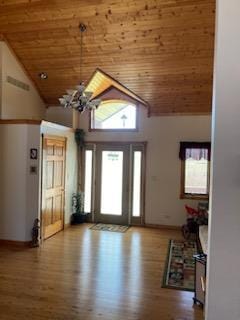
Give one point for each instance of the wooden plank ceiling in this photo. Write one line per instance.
(160, 49)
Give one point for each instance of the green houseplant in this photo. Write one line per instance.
(80, 141)
(78, 214)
(80, 137)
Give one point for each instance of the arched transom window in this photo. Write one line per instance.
(114, 115)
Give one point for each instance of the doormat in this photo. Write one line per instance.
(180, 265)
(109, 227)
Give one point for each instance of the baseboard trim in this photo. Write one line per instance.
(162, 226)
(12, 243)
(66, 226)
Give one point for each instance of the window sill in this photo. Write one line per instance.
(113, 130)
(194, 197)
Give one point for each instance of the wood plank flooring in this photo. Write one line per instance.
(82, 274)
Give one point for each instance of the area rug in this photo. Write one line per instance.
(109, 227)
(180, 265)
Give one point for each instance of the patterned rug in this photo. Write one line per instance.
(180, 265)
(109, 227)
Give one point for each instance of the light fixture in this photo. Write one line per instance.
(43, 75)
(78, 98)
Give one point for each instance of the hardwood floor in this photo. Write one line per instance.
(85, 274)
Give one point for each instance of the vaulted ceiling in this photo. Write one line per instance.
(160, 49)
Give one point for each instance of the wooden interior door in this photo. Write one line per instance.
(53, 186)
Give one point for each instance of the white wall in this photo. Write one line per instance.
(20, 198)
(33, 180)
(163, 167)
(17, 103)
(18, 189)
(224, 258)
(60, 115)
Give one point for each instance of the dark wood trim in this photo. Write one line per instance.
(162, 226)
(194, 197)
(13, 243)
(182, 114)
(20, 121)
(116, 142)
(113, 130)
(182, 179)
(52, 125)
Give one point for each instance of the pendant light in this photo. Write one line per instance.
(78, 98)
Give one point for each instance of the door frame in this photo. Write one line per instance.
(138, 146)
(56, 137)
(133, 145)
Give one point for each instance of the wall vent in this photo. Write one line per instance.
(18, 83)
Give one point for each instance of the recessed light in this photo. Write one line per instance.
(43, 75)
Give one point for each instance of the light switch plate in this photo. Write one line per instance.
(33, 169)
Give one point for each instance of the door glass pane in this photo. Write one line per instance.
(136, 205)
(112, 182)
(88, 181)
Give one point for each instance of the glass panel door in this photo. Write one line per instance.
(112, 178)
(112, 182)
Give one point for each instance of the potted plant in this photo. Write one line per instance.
(80, 141)
(78, 214)
(80, 137)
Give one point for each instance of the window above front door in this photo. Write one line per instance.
(114, 115)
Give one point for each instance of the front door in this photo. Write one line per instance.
(53, 185)
(112, 180)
